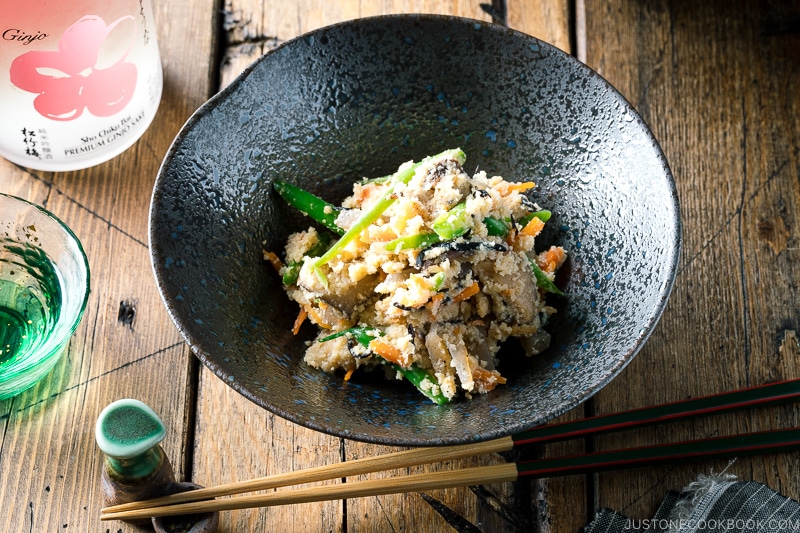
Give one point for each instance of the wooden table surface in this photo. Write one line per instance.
(719, 83)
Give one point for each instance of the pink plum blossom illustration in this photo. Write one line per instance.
(68, 80)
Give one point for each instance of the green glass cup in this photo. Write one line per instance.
(44, 286)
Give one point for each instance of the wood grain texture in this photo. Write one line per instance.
(253, 443)
(49, 462)
(549, 21)
(719, 83)
(253, 27)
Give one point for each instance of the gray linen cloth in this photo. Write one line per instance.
(712, 504)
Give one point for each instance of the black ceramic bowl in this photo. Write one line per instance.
(358, 99)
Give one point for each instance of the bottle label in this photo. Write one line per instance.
(79, 83)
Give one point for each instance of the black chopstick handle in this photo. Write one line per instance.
(733, 446)
(773, 393)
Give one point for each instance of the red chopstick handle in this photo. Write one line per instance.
(739, 445)
(773, 393)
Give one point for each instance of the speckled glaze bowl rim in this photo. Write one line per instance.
(611, 372)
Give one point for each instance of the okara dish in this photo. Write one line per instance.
(422, 274)
(358, 99)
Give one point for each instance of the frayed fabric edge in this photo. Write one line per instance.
(699, 497)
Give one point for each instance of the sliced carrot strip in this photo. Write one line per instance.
(483, 374)
(349, 374)
(532, 228)
(387, 351)
(301, 317)
(435, 301)
(510, 187)
(274, 260)
(485, 378)
(551, 259)
(467, 293)
(317, 318)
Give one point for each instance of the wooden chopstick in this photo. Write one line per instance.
(741, 399)
(371, 487)
(768, 441)
(365, 465)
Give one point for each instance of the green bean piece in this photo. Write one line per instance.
(542, 281)
(291, 273)
(414, 374)
(453, 223)
(543, 215)
(410, 242)
(378, 181)
(495, 227)
(417, 376)
(363, 334)
(403, 175)
(312, 206)
(438, 281)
